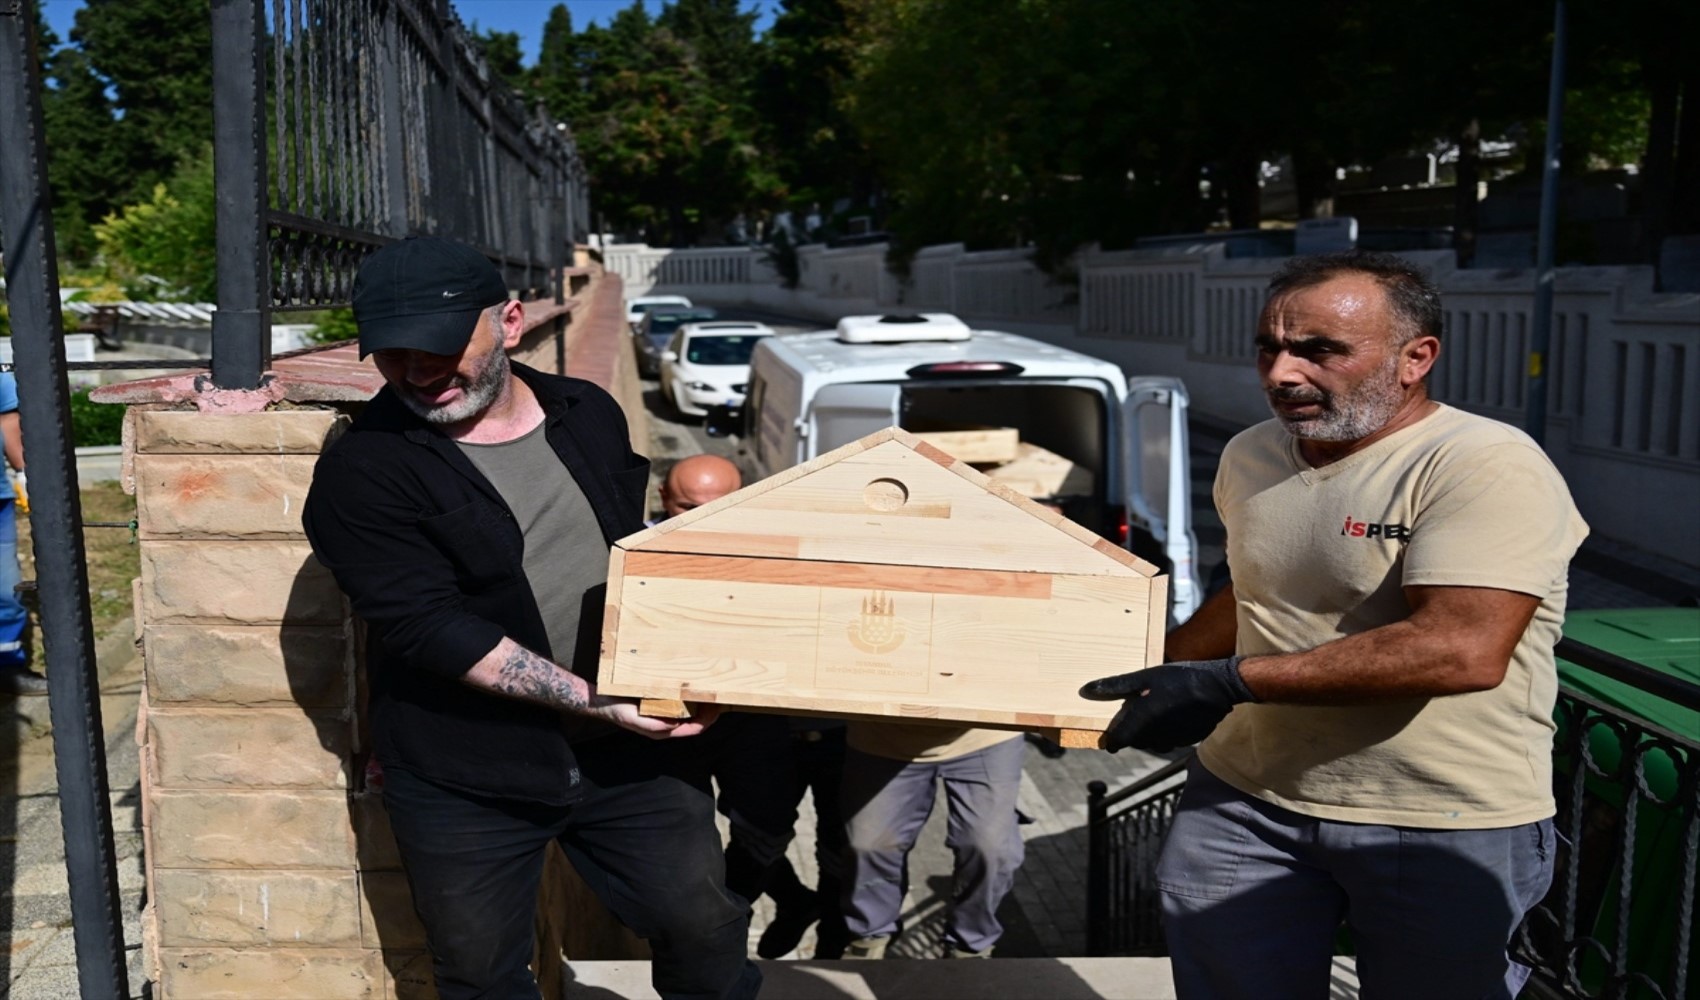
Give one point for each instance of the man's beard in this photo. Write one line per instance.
(476, 393)
(1358, 413)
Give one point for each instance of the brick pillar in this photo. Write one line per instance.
(267, 875)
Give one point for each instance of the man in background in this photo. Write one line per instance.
(891, 775)
(764, 765)
(15, 674)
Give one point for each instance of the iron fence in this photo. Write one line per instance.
(341, 125)
(1618, 922)
(1124, 832)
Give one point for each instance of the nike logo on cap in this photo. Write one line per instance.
(450, 295)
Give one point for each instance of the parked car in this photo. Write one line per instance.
(652, 334)
(636, 308)
(708, 364)
(1126, 437)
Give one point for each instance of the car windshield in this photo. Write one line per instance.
(721, 349)
(643, 307)
(662, 324)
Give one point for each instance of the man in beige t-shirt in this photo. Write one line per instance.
(1374, 690)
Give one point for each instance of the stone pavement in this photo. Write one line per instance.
(36, 946)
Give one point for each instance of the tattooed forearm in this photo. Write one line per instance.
(517, 672)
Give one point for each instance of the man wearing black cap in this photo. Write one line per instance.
(468, 514)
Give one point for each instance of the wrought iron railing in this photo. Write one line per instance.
(1125, 830)
(1619, 920)
(344, 124)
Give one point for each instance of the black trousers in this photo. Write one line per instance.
(643, 840)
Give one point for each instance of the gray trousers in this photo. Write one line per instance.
(1254, 894)
(886, 803)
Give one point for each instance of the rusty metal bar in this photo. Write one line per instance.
(67, 630)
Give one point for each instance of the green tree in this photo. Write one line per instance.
(501, 50)
(557, 77)
(87, 166)
(670, 148)
(156, 55)
(170, 237)
(720, 38)
(802, 73)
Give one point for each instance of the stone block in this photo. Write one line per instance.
(408, 976)
(222, 496)
(374, 841)
(273, 973)
(248, 748)
(257, 908)
(305, 828)
(305, 665)
(237, 583)
(387, 919)
(274, 432)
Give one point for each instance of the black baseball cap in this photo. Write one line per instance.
(424, 293)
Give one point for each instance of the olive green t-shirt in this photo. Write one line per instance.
(1322, 553)
(565, 554)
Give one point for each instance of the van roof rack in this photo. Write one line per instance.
(898, 328)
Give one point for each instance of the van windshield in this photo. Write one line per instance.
(728, 349)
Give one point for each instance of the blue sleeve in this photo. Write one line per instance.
(8, 392)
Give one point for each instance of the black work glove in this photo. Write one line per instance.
(1170, 705)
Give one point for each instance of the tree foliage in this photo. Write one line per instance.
(1049, 123)
(159, 248)
(662, 114)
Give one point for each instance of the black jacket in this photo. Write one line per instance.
(431, 558)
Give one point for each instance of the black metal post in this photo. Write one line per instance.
(1097, 871)
(1540, 339)
(67, 632)
(241, 328)
(392, 214)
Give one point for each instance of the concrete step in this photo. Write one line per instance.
(1004, 978)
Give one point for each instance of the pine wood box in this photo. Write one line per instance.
(885, 579)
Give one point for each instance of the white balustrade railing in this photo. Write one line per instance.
(1623, 368)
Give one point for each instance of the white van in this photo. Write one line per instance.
(812, 392)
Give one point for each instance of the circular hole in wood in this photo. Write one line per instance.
(885, 494)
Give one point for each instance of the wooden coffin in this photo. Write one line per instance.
(974, 443)
(885, 579)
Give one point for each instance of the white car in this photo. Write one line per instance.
(708, 364)
(635, 308)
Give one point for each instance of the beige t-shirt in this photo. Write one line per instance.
(920, 742)
(1322, 553)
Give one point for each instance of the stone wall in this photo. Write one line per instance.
(272, 872)
(267, 877)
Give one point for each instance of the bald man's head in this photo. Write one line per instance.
(696, 481)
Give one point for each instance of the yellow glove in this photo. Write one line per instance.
(20, 486)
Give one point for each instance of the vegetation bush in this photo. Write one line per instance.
(95, 423)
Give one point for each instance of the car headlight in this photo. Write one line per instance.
(699, 387)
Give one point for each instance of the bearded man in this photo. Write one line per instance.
(1374, 690)
(467, 514)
